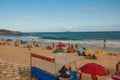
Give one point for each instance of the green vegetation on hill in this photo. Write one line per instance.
(4, 31)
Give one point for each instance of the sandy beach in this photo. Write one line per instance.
(20, 55)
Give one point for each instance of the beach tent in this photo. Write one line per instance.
(61, 59)
(94, 69)
(52, 63)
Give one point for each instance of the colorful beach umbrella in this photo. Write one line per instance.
(94, 69)
(8, 40)
(90, 51)
(116, 75)
(24, 42)
(84, 48)
(58, 51)
(61, 45)
(81, 49)
(100, 52)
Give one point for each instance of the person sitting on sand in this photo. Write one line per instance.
(16, 44)
(79, 53)
(68, 50)
(48, 48)
(89, 56)
(36, 45)
(64, 72)
(83, 53)
(94, 56)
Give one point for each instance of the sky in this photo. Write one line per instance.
(60, 15)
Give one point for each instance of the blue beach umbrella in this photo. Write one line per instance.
(8, 40)
(84, 48)
(24, 42)
(81, 49)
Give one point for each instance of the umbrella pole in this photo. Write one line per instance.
(94, 77)
(80, 76)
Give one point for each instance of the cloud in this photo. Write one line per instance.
(71, 28)
(68, 28)
(26, 17)
(58, 15)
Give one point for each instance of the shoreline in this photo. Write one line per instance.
(111, 45)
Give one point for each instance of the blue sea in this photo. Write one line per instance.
(111, 35)
(80, 37)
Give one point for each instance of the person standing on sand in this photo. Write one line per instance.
(53, 45)
(104, 43)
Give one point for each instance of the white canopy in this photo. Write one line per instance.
(60, 60)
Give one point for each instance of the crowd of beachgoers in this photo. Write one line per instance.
(15, 58)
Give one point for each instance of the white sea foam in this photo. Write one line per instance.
(112, 45)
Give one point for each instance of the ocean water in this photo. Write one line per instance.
(84, 39)
(77, 35)
(111, 35)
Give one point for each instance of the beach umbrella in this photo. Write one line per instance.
(94, 69)
(8, 40)
(116, 75)
(90, 51)
(84, 48)
(81, 49)
(58, 51)
(24, 42)
(61, 45)
(100, 52)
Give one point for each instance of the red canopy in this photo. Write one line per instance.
(94, 69)
(116, 75)
(61, 45)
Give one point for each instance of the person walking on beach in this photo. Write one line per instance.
(53, 45)
(104, 43)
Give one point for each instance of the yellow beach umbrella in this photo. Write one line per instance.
(90, 51)
(100, 52)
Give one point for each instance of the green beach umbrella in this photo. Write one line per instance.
(58, 51)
